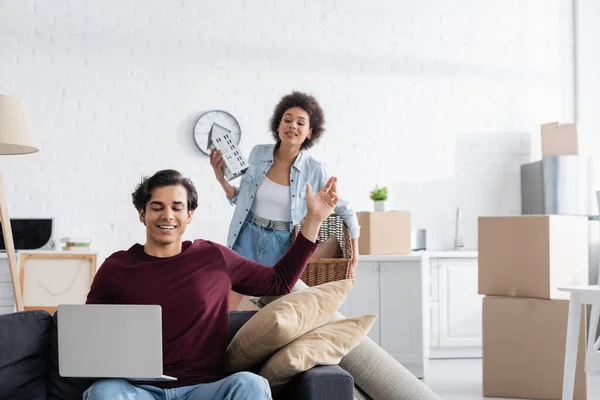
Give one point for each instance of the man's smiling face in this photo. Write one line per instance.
(166, 216)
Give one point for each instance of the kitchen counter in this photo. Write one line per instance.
(416, 255)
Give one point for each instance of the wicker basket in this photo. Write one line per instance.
(322, 270)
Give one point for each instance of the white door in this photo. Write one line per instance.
(364, 296)
(460, 307)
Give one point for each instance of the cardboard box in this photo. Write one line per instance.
(384, 232)
(559, 140)
(532, 255)
(524, 348)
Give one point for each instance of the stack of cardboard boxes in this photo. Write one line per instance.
(523, 260)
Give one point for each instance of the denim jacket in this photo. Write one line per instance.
(304, 170)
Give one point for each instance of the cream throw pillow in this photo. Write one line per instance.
(283, 321)
(325, 345)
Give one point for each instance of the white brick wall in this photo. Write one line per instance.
(439, 100)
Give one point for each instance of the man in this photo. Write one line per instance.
(191, 281)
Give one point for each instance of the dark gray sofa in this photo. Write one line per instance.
(29, 364)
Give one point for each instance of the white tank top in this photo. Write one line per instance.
(272, 201)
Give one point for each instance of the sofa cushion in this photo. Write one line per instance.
(24, 339)
(236, 320)
(60, 388)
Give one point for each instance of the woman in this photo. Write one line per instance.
(271, 198)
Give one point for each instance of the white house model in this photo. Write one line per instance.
(235, 164)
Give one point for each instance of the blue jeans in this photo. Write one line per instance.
(265, 246)
(239, 386)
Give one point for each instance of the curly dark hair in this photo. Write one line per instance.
(166, 177)
(309, 104)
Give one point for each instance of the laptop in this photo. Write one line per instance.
(111, 341)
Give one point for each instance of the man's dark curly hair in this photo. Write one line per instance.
(166, 177)
(309, 104)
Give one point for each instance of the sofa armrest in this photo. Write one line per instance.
(322, 382)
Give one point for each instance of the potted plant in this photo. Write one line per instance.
(379, 196)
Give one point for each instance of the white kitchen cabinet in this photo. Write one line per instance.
(456, 308)
(426, 302)
(395, 288)
(364, 296)
(404, 318)
(434, 332)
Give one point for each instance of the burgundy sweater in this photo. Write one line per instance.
(193, 290)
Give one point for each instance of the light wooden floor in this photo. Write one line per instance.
(461, 380)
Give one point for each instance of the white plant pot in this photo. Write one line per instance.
(379, 205)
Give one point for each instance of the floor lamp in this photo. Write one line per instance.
(16, 137)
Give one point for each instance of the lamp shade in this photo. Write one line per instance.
(16, 136)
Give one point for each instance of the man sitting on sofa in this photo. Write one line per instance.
(191, 281)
